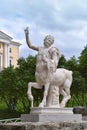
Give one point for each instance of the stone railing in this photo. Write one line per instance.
(10, 120)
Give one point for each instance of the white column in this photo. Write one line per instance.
(5, 55)
(8, 55)
(0, 62)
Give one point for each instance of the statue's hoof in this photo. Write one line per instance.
(41, 105)
(62, 105)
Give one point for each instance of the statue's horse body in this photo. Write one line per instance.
(60, 84)
(60, 80)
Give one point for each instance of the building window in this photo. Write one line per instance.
(10, 50)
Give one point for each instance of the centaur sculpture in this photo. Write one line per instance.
(55, 81)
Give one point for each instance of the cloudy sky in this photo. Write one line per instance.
(66, 20)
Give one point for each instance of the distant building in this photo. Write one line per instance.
(9, 51)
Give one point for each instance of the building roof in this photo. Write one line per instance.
(15, 43)
(8, 39)
(5, 36)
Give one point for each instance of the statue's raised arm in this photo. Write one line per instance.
(28, 40)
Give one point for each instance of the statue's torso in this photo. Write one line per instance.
(41, 65)
(44, 62)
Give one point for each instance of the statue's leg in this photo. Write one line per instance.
(29, 93)
(46, 88)
(65, 91)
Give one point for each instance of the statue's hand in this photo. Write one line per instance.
(26, 30)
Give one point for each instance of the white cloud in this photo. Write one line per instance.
(64, 19)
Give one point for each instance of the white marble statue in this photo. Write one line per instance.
(55, 81)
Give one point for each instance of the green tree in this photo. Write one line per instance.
(78, 86)
(62, 62)
(78, 89)
(83, 62)
(14, 83)
(72, 64)
(26, 74)
(8, 87)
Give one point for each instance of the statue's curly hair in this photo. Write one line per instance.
(49, 37)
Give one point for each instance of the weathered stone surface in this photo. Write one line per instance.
(45, 126)
(12, 127)
(50, 114)
(80, 110)
(50, 117)
(56, 81)
(51, 110)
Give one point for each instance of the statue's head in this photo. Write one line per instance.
(48, 40)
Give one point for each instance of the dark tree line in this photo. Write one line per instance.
(14, 81)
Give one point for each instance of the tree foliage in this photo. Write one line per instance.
(8, 86)
(14, 81)
(83, 62)
(62, 62)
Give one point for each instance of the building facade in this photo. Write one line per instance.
(9, 51)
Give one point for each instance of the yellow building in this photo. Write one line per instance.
(9, 51)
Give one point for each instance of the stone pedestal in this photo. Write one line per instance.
(50, 114)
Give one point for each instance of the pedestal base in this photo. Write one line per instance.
(50, 114)
(51, 110)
